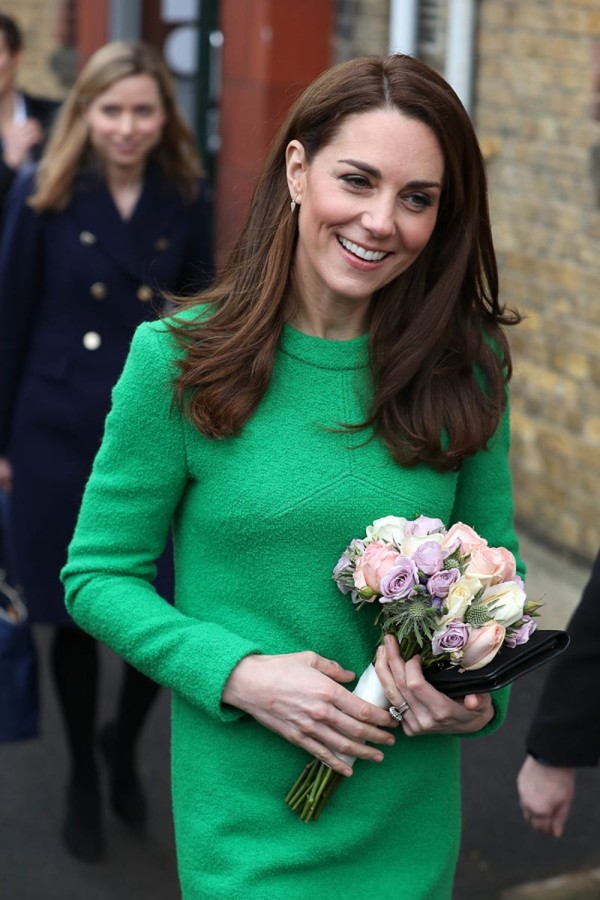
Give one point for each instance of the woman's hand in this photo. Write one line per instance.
(300, 696)
(430, 711)
(545, 795)
(5, 474)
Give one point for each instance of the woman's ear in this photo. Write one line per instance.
(295, 167)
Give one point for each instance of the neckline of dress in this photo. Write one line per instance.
(322, 352)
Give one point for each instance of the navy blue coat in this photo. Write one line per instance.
(74, 285)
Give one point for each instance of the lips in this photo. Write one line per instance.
(362, 252)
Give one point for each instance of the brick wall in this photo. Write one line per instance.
(361, 28)
(537, 114)
(537, 111)
(39, 22)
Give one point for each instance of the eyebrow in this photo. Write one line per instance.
(376, 173)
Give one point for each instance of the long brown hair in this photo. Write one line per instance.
(439, 358)
(69, 148)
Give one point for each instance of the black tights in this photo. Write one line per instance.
(75, 666)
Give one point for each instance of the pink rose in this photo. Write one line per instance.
(490, 564)
(376, 561)
(463, 535)
(510, 564)
(482, 646)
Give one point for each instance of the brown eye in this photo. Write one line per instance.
(356, 181)
(419, 201)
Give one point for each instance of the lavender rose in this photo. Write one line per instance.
(424, 525)
(452, 639)
(342, 574)
(399, 580)
(521, 634)
(429, 557)
(440, 582)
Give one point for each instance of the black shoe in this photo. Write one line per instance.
(82, 830)
(127, 797)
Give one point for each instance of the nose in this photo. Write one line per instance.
(378, 217)
(126, 123)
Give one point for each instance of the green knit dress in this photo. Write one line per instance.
(259, 522)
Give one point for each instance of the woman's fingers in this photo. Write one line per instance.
(301, 697)
(429, 710)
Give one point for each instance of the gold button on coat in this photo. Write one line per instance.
(91, 340)
(144, 293)
(87, 238)
(98, 290)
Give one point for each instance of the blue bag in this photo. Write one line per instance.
(19, 687)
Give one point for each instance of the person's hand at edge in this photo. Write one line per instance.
(545, 795)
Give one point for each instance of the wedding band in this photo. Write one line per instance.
(398, 714)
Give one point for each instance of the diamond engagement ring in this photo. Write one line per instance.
(397, 713)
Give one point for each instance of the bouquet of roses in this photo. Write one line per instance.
(444, 593)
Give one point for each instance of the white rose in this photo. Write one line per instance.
(460, 597)
(388, 529)
(411, 542)
(505, 602)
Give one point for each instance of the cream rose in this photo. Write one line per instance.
(482, 646)
(460, 597)
(505, 602)
(390, 528)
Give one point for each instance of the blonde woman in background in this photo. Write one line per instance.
(115, 215)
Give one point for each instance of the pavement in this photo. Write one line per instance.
(501, 857)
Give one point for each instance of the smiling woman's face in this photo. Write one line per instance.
(126, 120)
(368, 204)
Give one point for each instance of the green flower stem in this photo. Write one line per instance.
(312, 790)
(302, 784)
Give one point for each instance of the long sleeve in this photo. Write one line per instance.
(566, 728)
(138, 480)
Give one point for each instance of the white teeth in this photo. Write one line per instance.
(370, 255)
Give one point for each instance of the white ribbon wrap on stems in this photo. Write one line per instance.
(368, 688)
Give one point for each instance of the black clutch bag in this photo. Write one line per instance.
(509, 664)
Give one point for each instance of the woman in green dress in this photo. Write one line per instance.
(348, 363)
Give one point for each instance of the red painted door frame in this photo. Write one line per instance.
(271, 50)
(91, 24)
